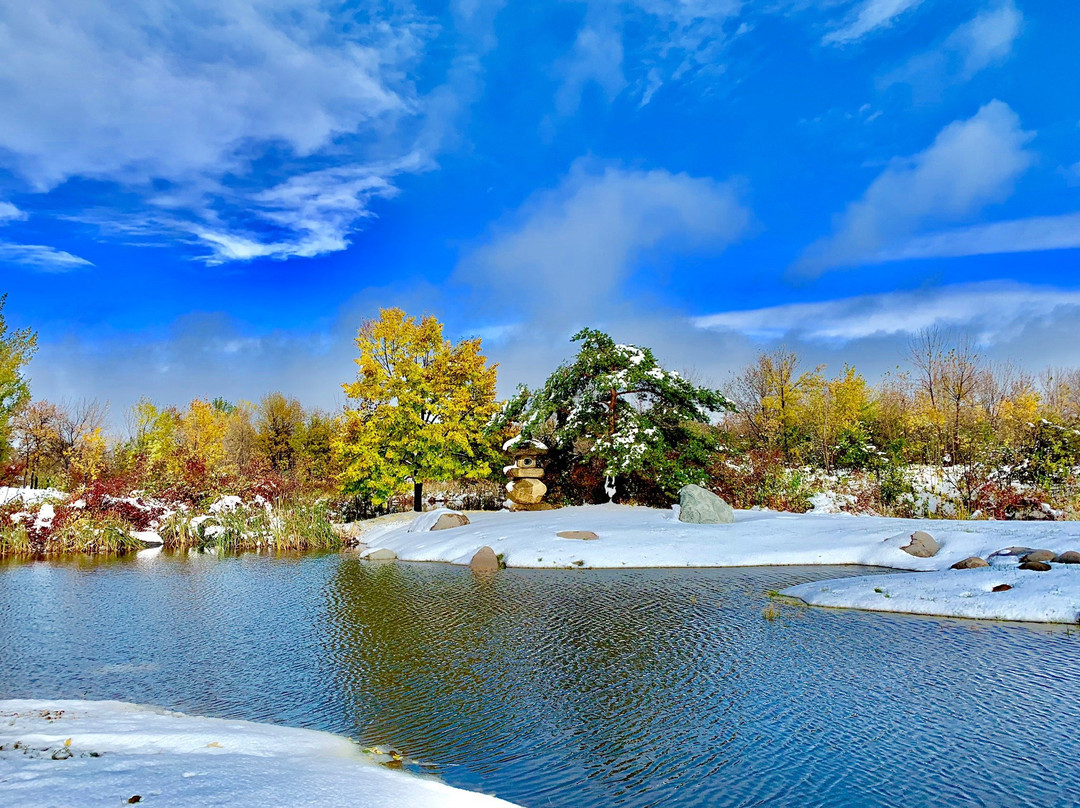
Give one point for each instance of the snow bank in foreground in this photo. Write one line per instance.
(103, 753)
(1043, 597)
(649, 537)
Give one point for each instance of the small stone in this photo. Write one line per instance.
(484, 560)
(584, 535)
(61, 754)
(450, 520)
(381, 554)
(1039, 555)
(134, 798)
(1035, 566)
(700, 507)
(922, 545)
(970, 563)
(1068, 557)
(1001, 588)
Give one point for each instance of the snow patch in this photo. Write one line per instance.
(1042, 597)
(102, 753)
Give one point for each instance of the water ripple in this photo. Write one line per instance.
(572, 688)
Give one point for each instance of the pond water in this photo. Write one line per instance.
(570, 688)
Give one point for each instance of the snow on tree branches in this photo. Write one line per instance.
(616, 404)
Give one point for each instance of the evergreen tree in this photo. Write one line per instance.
(420, 407)
(615, 404)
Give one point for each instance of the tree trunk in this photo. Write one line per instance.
(418, 496)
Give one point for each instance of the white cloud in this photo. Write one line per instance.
(596, 58)
(10, 213)
(985, 40)
(870, 16)
(571, 250)
(989, 37)
(188, 95)
(40, 257)
(971, 164)
(669, 40)
(1034, 234)
(991, 311)
(316, 210)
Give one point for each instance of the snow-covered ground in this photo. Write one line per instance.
(105, 753)
(30, 496)
(649, 537)
(1043, 597)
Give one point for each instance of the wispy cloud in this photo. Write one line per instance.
(1034, 234)
(871, 15)
(982, 41)
(639, 46)
(40, 257)
(971, 163)
(991, 311)
(225, 103)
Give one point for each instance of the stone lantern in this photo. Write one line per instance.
(525, 488)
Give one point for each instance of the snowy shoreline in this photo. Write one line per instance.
(105, 753)
(637, 537)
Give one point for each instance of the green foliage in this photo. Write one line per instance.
(296, 526)
(16, 350)
(420, 405)
(614, 404)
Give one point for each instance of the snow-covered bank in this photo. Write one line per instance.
(1042, 597)
(105, 753)
(649, 537)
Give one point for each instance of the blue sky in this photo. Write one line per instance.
(207, 198)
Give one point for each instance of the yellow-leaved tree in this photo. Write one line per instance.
(419, 407)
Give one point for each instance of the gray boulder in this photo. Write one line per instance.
(970, 563)
(381, 554)
(922, 545)
(1068, 557)
(1039, 555)
(484, 560)
(700, 507)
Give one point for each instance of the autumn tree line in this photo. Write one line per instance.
(422, 411)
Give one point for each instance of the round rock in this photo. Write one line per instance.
(1068, 557)
(1039, 555)
(970, 563)
(1035, 566)
(484, 560)
(381, 554)
(1001, 588)
(922, 545)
